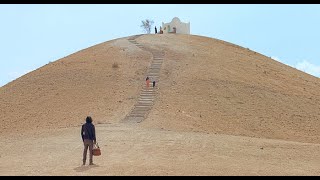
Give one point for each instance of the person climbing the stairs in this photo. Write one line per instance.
(148, 82)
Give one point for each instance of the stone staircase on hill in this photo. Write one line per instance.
(141, 109)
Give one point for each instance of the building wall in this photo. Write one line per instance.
(181, 28)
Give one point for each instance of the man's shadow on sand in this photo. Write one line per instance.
(85, 168)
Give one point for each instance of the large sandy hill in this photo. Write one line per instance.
(206, 85)
(219, 109)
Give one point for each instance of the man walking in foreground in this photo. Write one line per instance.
(88, 135)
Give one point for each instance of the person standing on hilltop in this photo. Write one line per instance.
(155, 30)
(88, 134)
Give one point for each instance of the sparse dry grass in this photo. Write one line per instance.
(115, 65)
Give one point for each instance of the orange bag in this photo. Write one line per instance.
(96, 150)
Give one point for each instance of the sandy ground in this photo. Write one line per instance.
(132, 150)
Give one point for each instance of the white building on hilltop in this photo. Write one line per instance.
(176, 26)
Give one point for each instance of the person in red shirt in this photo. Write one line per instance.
(148, 82)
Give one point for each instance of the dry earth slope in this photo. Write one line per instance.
(206, 85)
